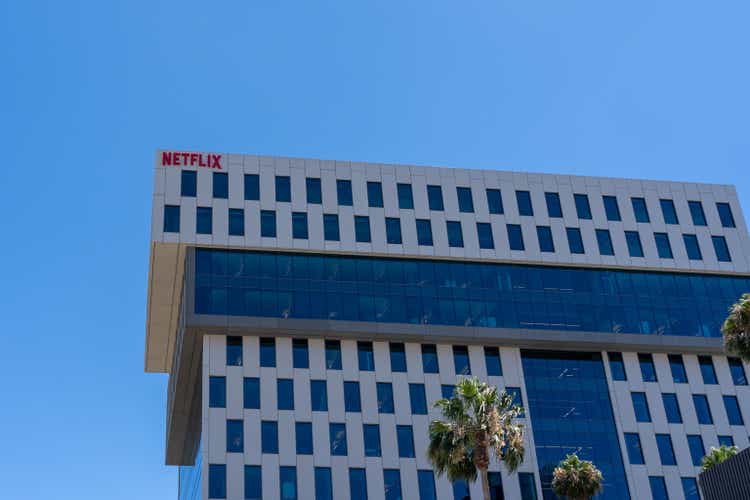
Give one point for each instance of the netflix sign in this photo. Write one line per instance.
(183, 159)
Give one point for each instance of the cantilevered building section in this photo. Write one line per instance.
(310, 312)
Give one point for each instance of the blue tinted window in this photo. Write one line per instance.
(362, 229)
(333, 354)
(663, 247)
(318, 395)
(677, 366)
(672, 408)
(299, 225)
(314, 191)
(285, 394)
(484, 234)
(465, 202)
(204, 220)
(217, 392)
(405, 438)
(633, 239)
(515, 392)
(374, 194)
(217, 481)
(236, 222)
(221, 185)
(405, 196)
(251, 393)
(707, 370)
(523, 198)
(494, 201)
(455, 235)
(692, 247)
(235, 436)
(364, 354)
(234, 351)
(604, 240)
(189, 183)
(575, 240)
(725, 214)
(666, 451)
(323, 483)
(393, 230)
(515, 237)
(583, 208)
(424, 232)
(283, 188)
(252, 187)
(528, 485)
(554, 208)
(461, 490)
(429, 359)
(337, 434)
(371, 434)
(544, 234)
(344, 192)
(426, 480)
(268, 223)
(398, 357)
(492, 361)
(331, 227)
(669, 212)
(658, 488)
(696, 212)
(648, 371)
(352, 399)
(171, 219)
(737, 371)
(304, 438)
(392, 484)
(357, 484)
(418, 399)
(267, 352)
(617, 366)
(733, 410)
(461, 360)
(726, 441)
(611, 208)
(269, 437)
(253, 482)
(496, 485)
(288, 483)
(633, 445)
(447, 390)
(640, 210)
(697, 451)
(702, 409)
(721, 249)
(640, 407)
(385, 397)
(300, 353)
(435, 198)
(690, 488)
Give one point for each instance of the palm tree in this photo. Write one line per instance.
(576, 479)
(717, 455)
(478, 421)
(736, 328)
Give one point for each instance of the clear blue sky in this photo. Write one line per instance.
(89, 89)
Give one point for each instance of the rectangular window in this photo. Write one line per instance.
(398, 356)
(575, 240)
(323, 483)
(204, 220)
(365, 357)
(583, 208)
(726, 441)
(648, 371)
(333, 354)
(663, 247)
(171, 219)
(461, 360)
(633, 239)
(371, 434)
(617, 366)
(515, 392)
(251, 393)
(690, 488)
(268, 223)
(429, 359)
(337, 433)
(189, 183)
(658, 488)
(554, 208)
(392, 484)
(252, 187)
(352, 398)
(283, 188)
(721, 248)
(696, 212)
(344, 192)
(461, 490)
(314, 190)
(269, 437)
(418, 399)
(385, 397)
(318, 395)
(635, 451)
(733, 410)
(611, 208)
(666, 451)
(235, 437)
(288, 483)
(426, 482)
(362, 229)
(405, 438)
(677, 367)
(527, 484)
(217, 481)
(697, 450)
(300, 353)
(702, 409)
(492, 360)
(640, 407)
(455, 235)
(405, 196)
(484, 234)
(285, 394)
(708, 372)
(515, 237)
(523, 198)
(737, 370)
(217, 392)
(357, 484)
(374, 194)
(435, 198)
(424, 232)
(495, 201)
(221, 185)
(672, 408)
(393, 230)
(299, 225)
(544, 234)
(253, 482)
(604, 240)
(640, 210)
(692, 247)
(267, 352)
(669, 212)
(725, 214)
(234, 351)
(496, 485)
(447, 390)
(465, 202)
(331, 227)
(236, 222)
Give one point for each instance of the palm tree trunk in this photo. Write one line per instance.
(485, 484)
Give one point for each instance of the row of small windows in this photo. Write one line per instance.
(454, 230)
(677, 368)
(674, 415)
(666, 450)
(464, 197)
